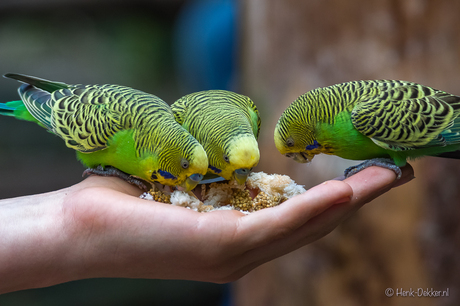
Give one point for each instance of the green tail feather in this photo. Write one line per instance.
(46, 85)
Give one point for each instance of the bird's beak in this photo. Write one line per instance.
(192, 181)
(241, 175)
(303, 157)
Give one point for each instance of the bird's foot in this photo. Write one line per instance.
(111, 171)
(379, 162)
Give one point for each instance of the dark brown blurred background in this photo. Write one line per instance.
(272, 51)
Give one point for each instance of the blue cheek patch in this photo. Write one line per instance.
(313, 146)
(166, 175)
(216, 170)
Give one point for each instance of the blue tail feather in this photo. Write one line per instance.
(6, 109)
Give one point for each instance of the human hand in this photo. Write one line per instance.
(99, 228)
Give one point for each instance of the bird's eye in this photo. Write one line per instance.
(226, 158)
(290, 155)
(290, 142)
(184, 163)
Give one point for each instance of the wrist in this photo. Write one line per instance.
(34, 241)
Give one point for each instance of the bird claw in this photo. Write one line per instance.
(379, 162)
(114, 172)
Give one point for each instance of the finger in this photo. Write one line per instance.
(267, 225)
(374, 181)
(366, 185)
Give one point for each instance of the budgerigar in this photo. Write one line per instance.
(359, 120)
(116, 130)
(227, 125)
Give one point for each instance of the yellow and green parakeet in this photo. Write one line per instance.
(116, 130)
(227, 125)
(393, 120)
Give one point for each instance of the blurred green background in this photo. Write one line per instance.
(148, 45)
(272, 51)
(161, 47)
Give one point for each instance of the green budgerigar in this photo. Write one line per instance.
(382, 121)
(116, 130)
(227, 125)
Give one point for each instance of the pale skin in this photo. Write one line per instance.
(99, 228)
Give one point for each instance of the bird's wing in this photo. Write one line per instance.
(404, 116)
(84, 116)
(179, 109)
(255, 118)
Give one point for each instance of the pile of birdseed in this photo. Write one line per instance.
(261, 191)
